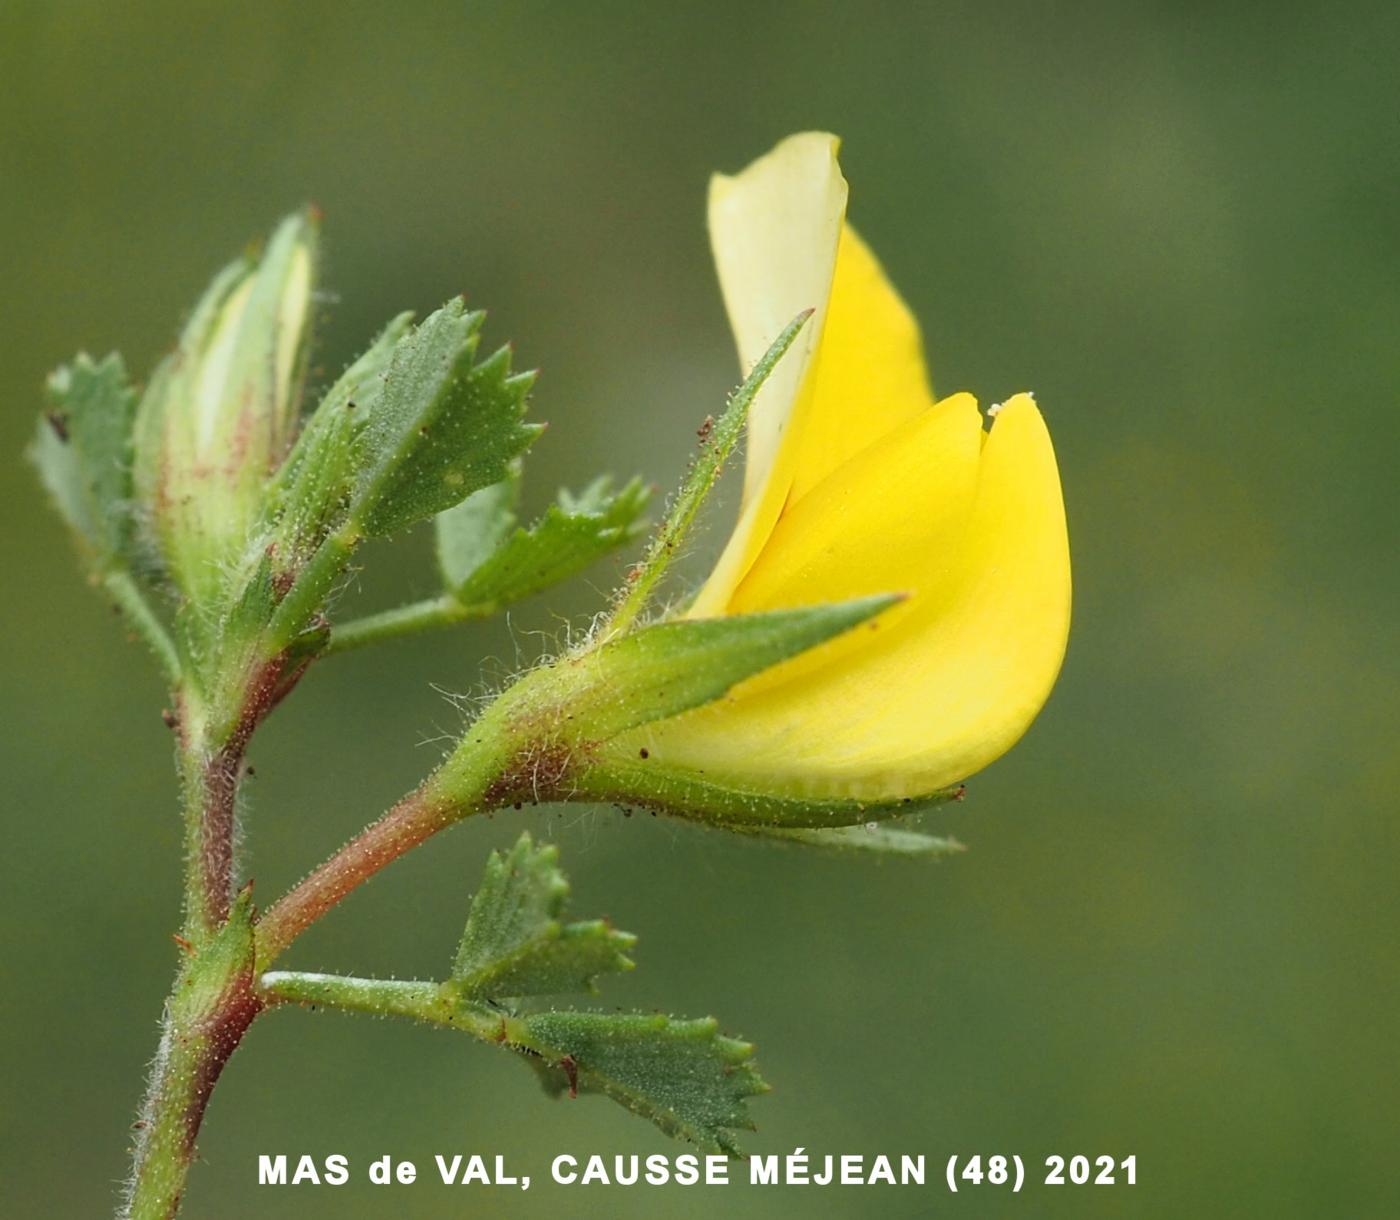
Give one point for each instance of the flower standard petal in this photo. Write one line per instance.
(775, 229)
(781, 244)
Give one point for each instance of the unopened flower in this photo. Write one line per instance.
(222, 408)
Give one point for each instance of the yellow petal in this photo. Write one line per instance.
(950, 685)
(870, 374)
(774, 229)
(893, 518)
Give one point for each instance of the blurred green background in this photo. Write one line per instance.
(1175, 935)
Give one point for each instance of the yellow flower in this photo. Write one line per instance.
(858, 482)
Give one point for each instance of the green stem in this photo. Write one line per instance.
(197, 915)
(188, 1065)
(212, 1003)
(489, 769)
(208, 1012)
(431, 613)
(433, 1003)
(417, 817)
(122, 588)
(423, 1001)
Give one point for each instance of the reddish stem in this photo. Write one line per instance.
(216, 831)
(193, 1053)
(221, 774)
(417, 817)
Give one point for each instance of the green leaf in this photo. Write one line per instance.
(443, 427)
(313, 488)
(409, 430)
(83, 454)
(672, 667)
(515, 943)
(570, 536)
(469, 533)
(686, 1077)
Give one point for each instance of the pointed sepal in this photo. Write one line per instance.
(868, 838)
(718, 442)
(672, 667)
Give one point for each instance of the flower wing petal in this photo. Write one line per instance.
(892, 518)
(946, 687)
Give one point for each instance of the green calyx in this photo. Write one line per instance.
(555, 723)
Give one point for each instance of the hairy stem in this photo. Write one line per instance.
(433, 612)
(431, 1003)
(220, 781)
(210, 780)
(214, 1001)
(491, 767)
(417, 817)
(208, 1012)
(197, 905)
(188, 1065)
(424, 1001)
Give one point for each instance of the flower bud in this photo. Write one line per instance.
(222, 409)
